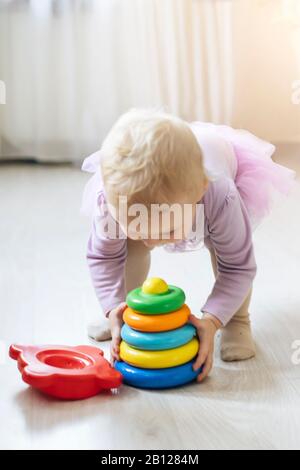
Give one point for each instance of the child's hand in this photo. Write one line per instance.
(116, 322)
(206, 330)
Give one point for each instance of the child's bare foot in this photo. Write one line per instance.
(237, 342)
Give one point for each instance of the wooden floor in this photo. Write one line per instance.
(46, 297)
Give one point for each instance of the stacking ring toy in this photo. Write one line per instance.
(152, 323)
(157, 378)
(166, 302)
(158, 341)
(159, 359)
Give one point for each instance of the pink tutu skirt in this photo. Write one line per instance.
(258, 178)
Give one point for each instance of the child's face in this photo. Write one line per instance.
(170, 225)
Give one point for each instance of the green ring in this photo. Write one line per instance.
(156, 303)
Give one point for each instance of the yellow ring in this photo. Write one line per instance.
(159, 359)
(154, 323)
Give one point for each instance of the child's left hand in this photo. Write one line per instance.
(206, 331)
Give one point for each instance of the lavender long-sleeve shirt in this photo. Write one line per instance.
(227, 230)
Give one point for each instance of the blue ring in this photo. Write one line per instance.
(158, 341)
(157, 378)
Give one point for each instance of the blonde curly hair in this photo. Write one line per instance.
(151, 156)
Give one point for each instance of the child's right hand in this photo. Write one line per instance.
(116, 323)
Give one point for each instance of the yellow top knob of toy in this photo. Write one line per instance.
(155, 285)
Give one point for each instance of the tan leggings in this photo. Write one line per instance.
(243, 312)
(138, 265)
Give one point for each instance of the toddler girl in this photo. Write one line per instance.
(225, 177)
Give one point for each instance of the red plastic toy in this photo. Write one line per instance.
(70, 373)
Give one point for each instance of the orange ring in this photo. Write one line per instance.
(153, 323)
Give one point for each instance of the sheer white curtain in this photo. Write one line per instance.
(71, 67)
(267, 68)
